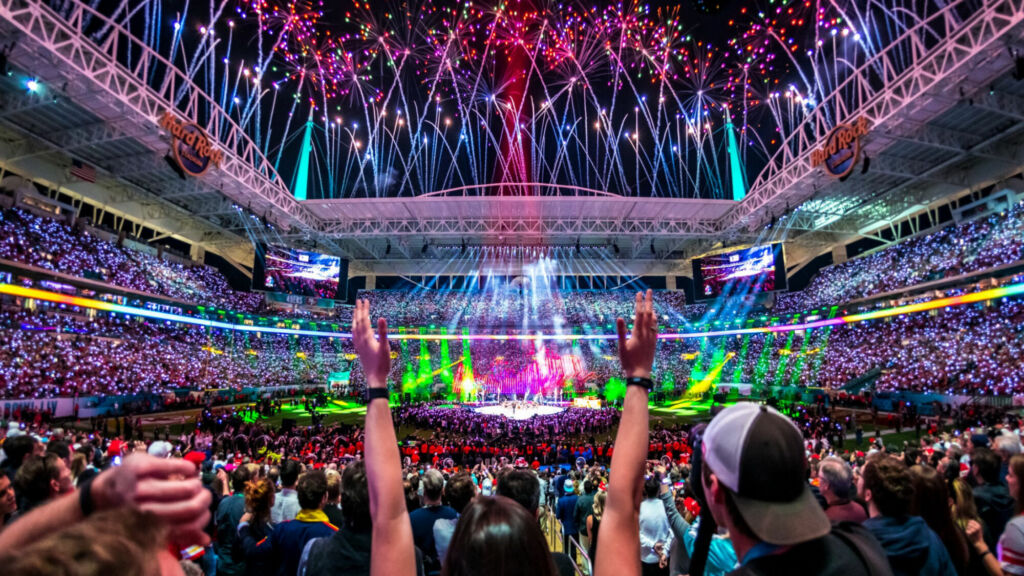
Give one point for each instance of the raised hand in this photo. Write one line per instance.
(374, 354)
(169, 488)
(637, 353)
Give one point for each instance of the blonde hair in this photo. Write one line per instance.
(599, 501)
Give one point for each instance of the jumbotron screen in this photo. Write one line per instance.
(757, 269)
(279, 269)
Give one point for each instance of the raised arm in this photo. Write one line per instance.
(393, 551)
(618, 552)
(167, 488)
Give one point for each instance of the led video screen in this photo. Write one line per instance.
(756, 269)
(279, 269)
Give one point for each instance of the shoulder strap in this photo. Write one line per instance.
(860, 540)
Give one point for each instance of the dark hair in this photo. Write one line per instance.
(311, 489)
(931, 502)
(34, 476)
(17, 449)
(497, 536)
(59, 447)
(290, 470)
(890, 484)
(239, 478)
(588, 486)
(988, 463)
(522, 487)
(355, 497)
(1017, 465)
(460, 490)
(651, 486)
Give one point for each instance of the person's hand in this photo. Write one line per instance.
(167, 488)
(637, 353)
(374, 354)
(247, 517)
(974, 533)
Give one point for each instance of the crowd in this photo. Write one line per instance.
(518, 308)
(753, 492)
(54, 245)
(953, 251)
(63, 352)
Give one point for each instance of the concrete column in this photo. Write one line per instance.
(371, 282)
(197, 253)
(839, 254)
(670, 282)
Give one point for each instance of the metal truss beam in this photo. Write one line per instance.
(883, 92)
(511, 228)
(250, 176)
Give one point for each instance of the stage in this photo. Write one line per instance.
(519, 410)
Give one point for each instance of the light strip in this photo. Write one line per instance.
(55, 297)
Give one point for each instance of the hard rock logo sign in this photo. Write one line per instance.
(841, 151)
(192, 148)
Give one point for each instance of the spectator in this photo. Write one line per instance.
(912, 547)
(930, 502)
(836, 485)
(721, 554)
(566, 514)
(655, 533)
(495, 535)
(230, 557)
(593, 524)
(42, 478)
(995, 505)
(283, 548)
(423, 519)
(347, 551)
(333, 507)
(458, 492)
(584, 508)
(286, 505)
(8, 502)
(259, 501)
(520, 487)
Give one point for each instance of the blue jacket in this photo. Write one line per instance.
(567, 514)
(283, 548)
(912, 547)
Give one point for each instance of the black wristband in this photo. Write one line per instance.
(373, 393)
(646, 383)
(85, 497)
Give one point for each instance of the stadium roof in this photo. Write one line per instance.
(951, 124)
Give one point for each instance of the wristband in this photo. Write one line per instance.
(85, 501)
(985, 553)
(374, 393)
(645, 383)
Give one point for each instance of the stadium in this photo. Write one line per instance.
(576, 221)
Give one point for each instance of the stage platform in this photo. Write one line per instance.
(519, 410)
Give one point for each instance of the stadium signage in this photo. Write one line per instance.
(841, 149)
(192, 148)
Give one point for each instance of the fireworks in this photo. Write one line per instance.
(418, 96)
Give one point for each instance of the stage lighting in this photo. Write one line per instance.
(32, 85)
